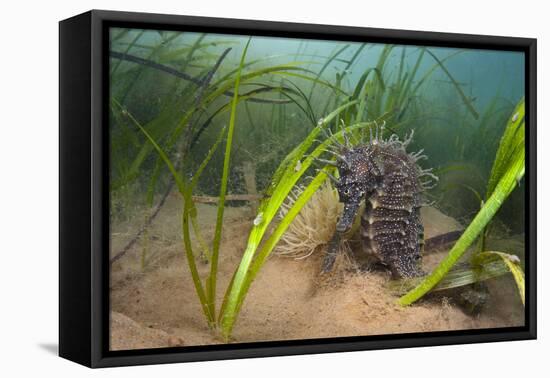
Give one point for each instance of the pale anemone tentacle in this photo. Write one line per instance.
(312, 227)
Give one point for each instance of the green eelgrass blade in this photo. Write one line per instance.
(175, 55)
(361, 91)
(192, 212)
(312, 79)
(514, 135)
(308, 109)
(195, 179)
(324, 67)
(471, 189)
(250, 63)
(221, 90)
(340, 78)
(504, 187)
(209, 155)
(211, 283)
(141, 69)
(376, 94)
(460, 275)
(210, 317)
(431, 70)
(252, 261)
(507, 171)
(177, 178)
(182, 187)
(404, 90)
(363, 78)
(121, 33)
(291, 160)
(283, 180)
(401, 64)
(204, 82)
(242, 97)
(405, 87)
(512, 263)
(217, 89)
(353, 59)
(128, 48)
(229, 315)
(465, 99)
(161, 125)
(511, 144)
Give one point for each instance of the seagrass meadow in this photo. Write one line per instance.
(267, 188)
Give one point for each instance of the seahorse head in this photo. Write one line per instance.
(359, 175)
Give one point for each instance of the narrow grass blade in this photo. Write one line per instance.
(475, 228)
(185, 221)
(128, 48)
(512, 263)
(211, 284)
(465, 99)
(459, 276)
(511, 147)
(227, 318)
(324, 67)
(283, 180)
(246, 272)
(514, 135)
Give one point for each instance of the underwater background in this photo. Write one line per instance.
(177, 89)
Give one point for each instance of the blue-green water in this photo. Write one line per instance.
(456, 100)
(175, 113)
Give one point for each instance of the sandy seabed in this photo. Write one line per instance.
(154, 304)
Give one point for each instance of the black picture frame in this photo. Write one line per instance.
(84, 198)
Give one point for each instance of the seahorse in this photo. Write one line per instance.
(391, 183)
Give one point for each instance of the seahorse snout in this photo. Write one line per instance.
(348, 215)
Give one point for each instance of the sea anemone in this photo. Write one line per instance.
(315, 224)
